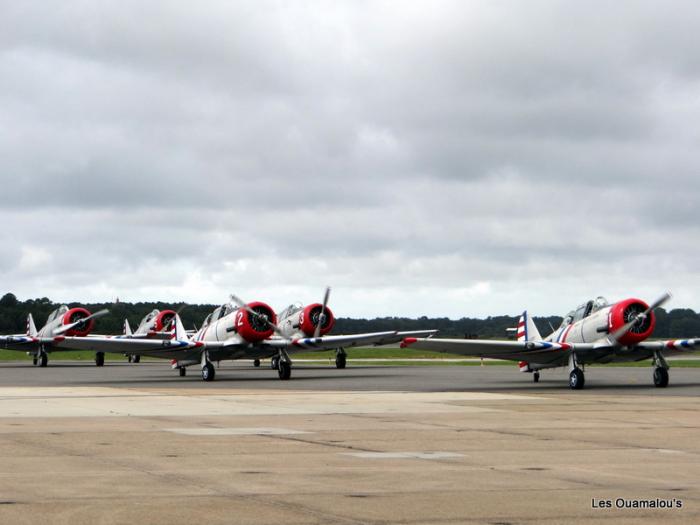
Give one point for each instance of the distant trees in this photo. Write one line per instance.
(681, 322)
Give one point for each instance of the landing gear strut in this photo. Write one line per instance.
(660, 371)
(340, 358)
(576, 377)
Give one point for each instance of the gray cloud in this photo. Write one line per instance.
(440, 159)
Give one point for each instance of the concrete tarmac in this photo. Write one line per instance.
(434, 445)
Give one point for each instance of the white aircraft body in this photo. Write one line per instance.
(156, 325)
(63, 324)
(596, 332)
(237, 330)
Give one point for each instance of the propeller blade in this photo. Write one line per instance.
(62, 329)
(653, 306)
(252, 312)
(322, 315)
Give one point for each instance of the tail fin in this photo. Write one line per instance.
(127, 328)
(31, 327)
(527, 331)
(179, 332)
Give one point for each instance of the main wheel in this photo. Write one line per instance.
(284, 369)
(43, 360)
(536, 377)
(340, 361)
(660, 377)
(256, 363)
(35, 360)
(99, 358)
(130, 358)
(208, 372)
(136, 359)
(576, 379)
(183, 371)
(274, 363)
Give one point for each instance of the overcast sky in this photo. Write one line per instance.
(422, 158)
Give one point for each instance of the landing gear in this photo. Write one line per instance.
(183, 372)
(208, 372)
(284, 369)
(129, 358)
(99, 358)
(256, 363)
(43, 360)
(134, 358)
(660, 377)
(35, 360)
(341, 359)
(536, 377)
(660, 370)
(274, 363)
(576, 377)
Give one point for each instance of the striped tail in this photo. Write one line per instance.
(527, 331)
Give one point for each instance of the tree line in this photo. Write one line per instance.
(677, 323)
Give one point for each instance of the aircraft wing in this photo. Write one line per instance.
(219, 350)
(18, 342)
(542, 352)
(328, 342)
(672, 346)
(169, 349)
(397, 337)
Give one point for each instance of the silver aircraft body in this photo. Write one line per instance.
(596, 332)
(238, 330)
(62, 326)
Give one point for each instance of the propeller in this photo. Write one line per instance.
(257, 315)
(65, 328)
(322, 315)
(640, 316)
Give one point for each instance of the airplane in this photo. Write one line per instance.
(63, 323)
(596, 332)
(157, 325)
(238, 330)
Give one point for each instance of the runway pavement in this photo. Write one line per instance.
(441, 445)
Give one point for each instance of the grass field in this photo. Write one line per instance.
(388, 356)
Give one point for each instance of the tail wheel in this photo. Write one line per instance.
(660, 377)
(256, 363)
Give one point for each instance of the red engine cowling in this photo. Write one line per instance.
(254, 328)
(622, 313)
(74, 315)
(163, 320)
(308, 319)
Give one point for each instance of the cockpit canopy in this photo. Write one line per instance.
(58, 312)
(290, 310)
(585, 310)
